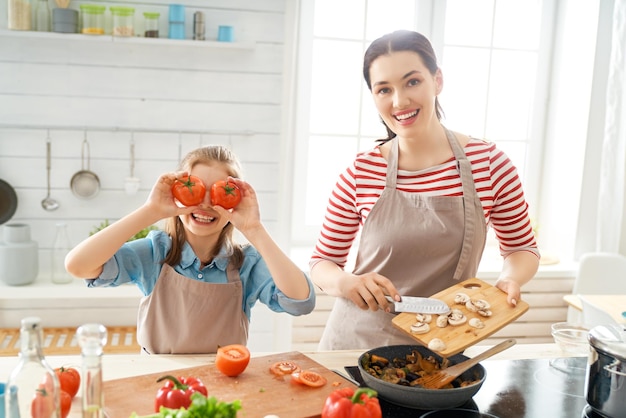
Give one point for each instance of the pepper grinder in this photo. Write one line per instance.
(198, 26)
(92, 338)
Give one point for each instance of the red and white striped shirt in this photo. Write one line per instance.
(360, 185)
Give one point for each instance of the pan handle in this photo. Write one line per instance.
(82, 153)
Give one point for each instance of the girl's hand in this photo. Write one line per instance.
(368, 291)
(161, 200)
(246, 215)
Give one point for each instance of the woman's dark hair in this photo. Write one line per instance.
(401, 40)
(210, 155)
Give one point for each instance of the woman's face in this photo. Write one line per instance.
(404, 91)
(205, 221)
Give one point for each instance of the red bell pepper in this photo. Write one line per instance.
(176, 393)
(346, 403)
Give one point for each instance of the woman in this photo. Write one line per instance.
(421, 200)
(199, 285)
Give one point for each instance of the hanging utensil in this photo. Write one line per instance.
(85, 184)
(131, 184)
(49, 203)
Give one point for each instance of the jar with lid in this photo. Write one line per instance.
(19, 14)
(151, 24)
(176, 21)
(31, 373)
(19, 256)
(92, 19)
(123, 21)
(59, 250)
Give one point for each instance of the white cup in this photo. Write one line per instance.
(131, 185)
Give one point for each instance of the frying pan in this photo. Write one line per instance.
(85, 184)
(8, 201)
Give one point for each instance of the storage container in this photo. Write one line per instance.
(19, 14)
(151, 24)
(92, 19)
(123, 21)
(64, 20)
(176, 21)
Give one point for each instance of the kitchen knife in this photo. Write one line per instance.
(419, 305)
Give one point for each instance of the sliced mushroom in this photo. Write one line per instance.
(456, 317)
(461, 298)
(442, 321)
(476, 323)
(485, 312)
(426, 318)
(420, 328)
(476, 305)
(437, 344)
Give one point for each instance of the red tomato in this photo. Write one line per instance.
(42, 405)
(281, 368)
(189, 190)
(66, 403)
(225, 194)
(232, 359)
(308, 378)
(69, 379)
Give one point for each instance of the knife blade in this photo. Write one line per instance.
(416, 304)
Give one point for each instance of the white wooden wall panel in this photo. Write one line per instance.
(232, 94)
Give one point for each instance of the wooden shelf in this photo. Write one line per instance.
(128, 39)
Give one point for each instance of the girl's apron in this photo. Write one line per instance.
(186, 316)
(423, 244)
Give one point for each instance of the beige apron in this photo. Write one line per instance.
(186, 316)
(423, 244)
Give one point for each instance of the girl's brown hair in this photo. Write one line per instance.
(174, 227)
(401, 40)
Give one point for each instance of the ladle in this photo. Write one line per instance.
(49, 203)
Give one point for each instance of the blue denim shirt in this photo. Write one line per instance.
(139, 262)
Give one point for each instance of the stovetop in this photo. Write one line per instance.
(534, 388)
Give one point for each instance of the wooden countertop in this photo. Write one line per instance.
(117, 366)
(614, 305)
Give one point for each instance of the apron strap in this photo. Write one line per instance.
(469, 191)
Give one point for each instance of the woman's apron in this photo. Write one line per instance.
(186, 316)
(423, 244)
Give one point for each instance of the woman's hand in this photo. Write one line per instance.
(511, 288)
(368, 291)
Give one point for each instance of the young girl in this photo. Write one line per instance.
(199, 286)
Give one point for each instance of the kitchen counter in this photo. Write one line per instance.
(127, 365)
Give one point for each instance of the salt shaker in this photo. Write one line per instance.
(33, 384)
(92, 338)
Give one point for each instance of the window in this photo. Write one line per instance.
(495, 56)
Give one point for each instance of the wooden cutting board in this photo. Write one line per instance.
(458, 338)
(261, 393)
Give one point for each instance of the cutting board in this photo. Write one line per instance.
(261, 393)
(458, 338)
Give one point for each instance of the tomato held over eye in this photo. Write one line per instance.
(189, 190)
(232, 359)
(225, 194)
(308, 378)
(69, 379)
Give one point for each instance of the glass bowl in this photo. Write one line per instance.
(571, 338)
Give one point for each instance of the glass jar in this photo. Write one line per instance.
(92, 338)
(31, 374)
(92, 19)
(123, 21)
(60, 249)
(151, 24)
(19, 14)
(42, 16)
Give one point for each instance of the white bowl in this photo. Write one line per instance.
(571, 338)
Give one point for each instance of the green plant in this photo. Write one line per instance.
(141, 234)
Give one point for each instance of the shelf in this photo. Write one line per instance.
(127, 40)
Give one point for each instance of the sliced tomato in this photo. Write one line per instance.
(308, 378)
(232, 359)
(282, 368)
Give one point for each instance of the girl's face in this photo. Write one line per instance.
(404, 91)
(205, 221)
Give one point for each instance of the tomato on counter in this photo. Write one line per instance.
(282, 368)
(308, 378)
(69, 379)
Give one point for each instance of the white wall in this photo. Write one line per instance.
(155, 88)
